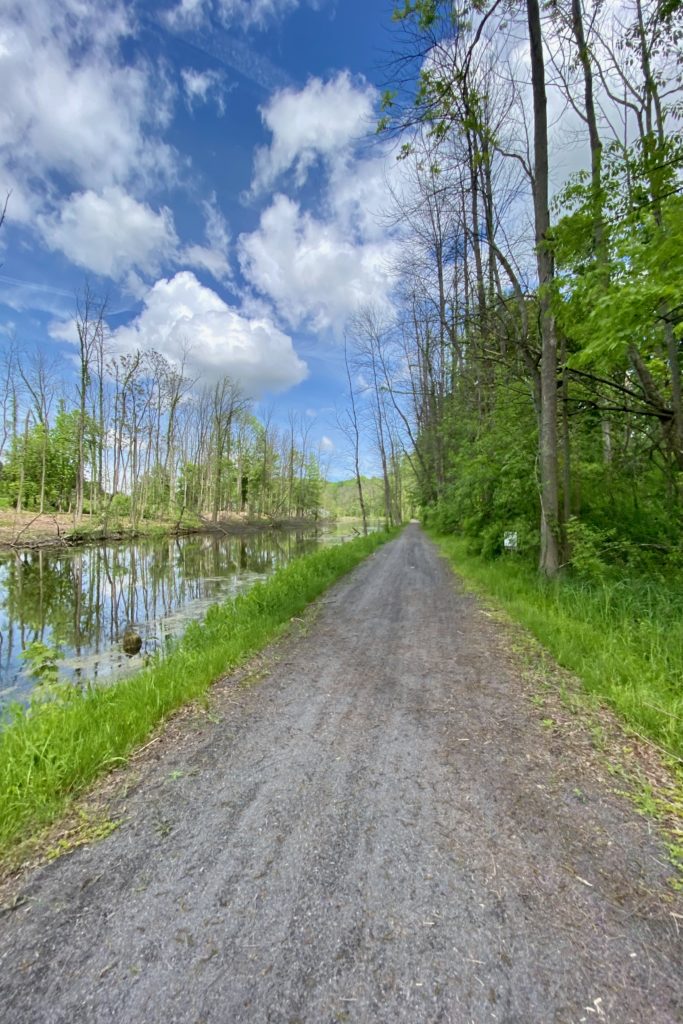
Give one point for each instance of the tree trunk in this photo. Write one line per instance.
(550, 524)
(356, 442)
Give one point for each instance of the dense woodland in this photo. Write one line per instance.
(137, 438)
(531, 378)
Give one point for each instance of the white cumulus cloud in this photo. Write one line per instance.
(323, 120)
(312, 270)
(111, 233)
(71, 106)
(180, 313)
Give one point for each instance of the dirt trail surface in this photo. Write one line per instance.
(379, 830)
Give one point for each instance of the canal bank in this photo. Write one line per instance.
(27, 530)
(54, 749)
(76, 604)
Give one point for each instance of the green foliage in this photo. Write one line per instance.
(64, 457)
(43, 664)
(624, 503)
(239, 465)
(424, 11)
(617, 246)
(603, 314)
(491, 487)
(188, 487)
(120, 505)
(308, 489)
(588, 545)
(58, 447)
(340, 498)
(155, 489)
(46, 758)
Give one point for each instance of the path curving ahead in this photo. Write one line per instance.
(379, 830)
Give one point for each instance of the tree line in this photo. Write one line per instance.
(136, 436)
(531, 374)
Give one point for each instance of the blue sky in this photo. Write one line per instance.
(210, 166)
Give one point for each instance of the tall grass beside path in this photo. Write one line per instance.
(51, 752)
(623, 637)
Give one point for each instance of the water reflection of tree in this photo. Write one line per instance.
(38, 593)
(83, 599)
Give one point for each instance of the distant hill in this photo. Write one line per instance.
(340, 498)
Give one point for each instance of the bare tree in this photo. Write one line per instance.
(9, 396)
(349, 425)
(90, 328)
(226, 400)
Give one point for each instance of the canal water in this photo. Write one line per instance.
(80, 601)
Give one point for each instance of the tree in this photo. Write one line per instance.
(90, 328)
(348, 423)
(565, 339)
(368, 331)
(550, 518)
(226, 400)
(39, 378)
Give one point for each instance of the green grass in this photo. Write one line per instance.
(622, 637)
(53, 752)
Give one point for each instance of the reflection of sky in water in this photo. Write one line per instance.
(82, 599)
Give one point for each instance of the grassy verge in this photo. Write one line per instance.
(623, 638)
(54, 751)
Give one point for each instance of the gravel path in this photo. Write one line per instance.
(380, 830)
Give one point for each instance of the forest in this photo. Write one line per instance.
(137, 438)
(531, 371)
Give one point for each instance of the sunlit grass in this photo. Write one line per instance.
(622, 637)
(54, 751)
